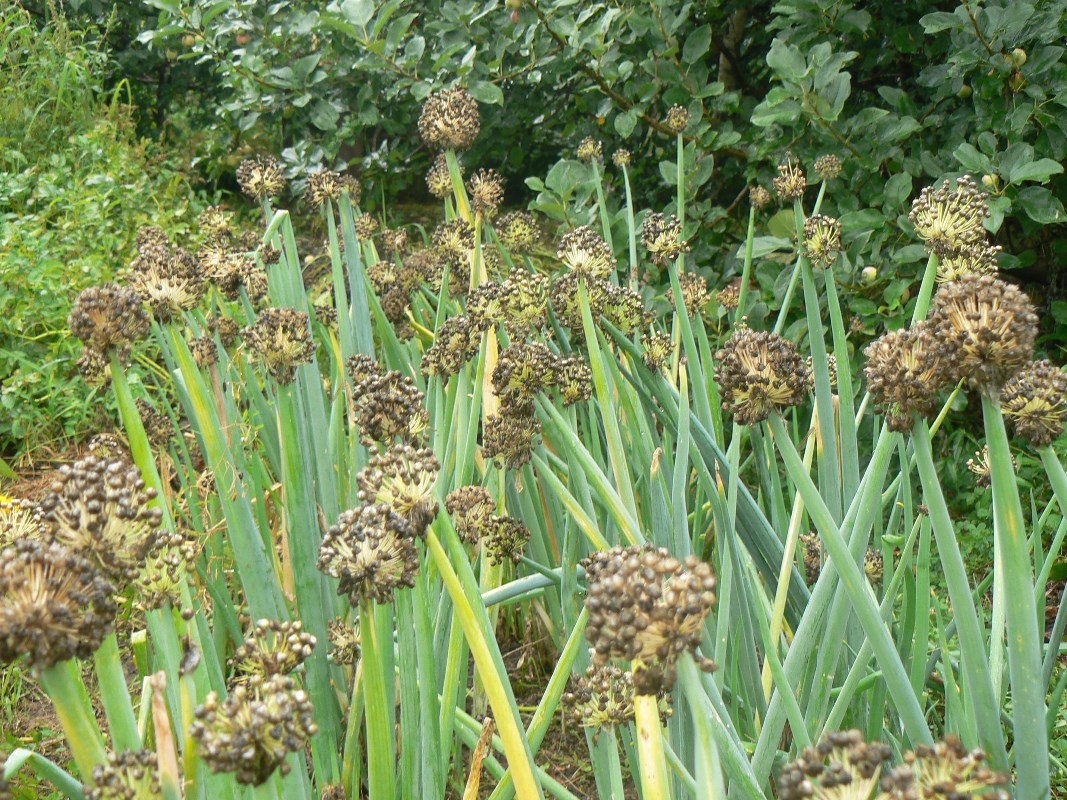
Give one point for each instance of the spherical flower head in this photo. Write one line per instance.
(525, 296)
(874, 565)
(454, 241)
(472, 510)
(388, 404)
(157, 424)
(573, 380)
(812, 555)
(216, 222)
(395, 240)
(827, 167)
(510, 438)
(791, 181)
(254, 729)
(438, 178)
(505, 540)
(167, 279)
(281, 340)
(455, 343)
(450, 119)
(658, 349)
(371, 551)
(486, 189)
(760, 373)
(621, 158)
(273, 648)
(648, 607)
(759, 197)
(950, 218)
(841, 767)
(621, 306)
(322, 186)
(129, 775)
(54, 604)
(18, 520)
(159, 582)
(604, 698)
(905, 370)
(694, 292)
(676, 119)
(991, 323)
(822, 240)
(260, 177)
(662, 238)
(485, 306)
(366, 226)
(729, 297)
(149, 236)
(103, 511)
(402, 478)
(108, 319)
(978, 258)
(517, 231)
(949, 770)
(831, 368)
(1035, 402)
(345, 640)
(524, 370)
(590, 149)
(352, 186)
(584, 251)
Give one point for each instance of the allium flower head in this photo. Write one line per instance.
(472, 510)
(450, 119)
(402, 478)
(622, 307)
(991, 323)
(486, 189)
(322, 186)
(215, 222)
(658, 349)
(978, 258)
(157, 424)
(604, 698)
(676, 119)
(166, 278)
(874, 565)
(510, 438)
(366, 225)
(438, 178)
(791, 181)
(159, 581)
(621, 158)
(525, 369)
(344, 641)
(841, 767)
(281, 340)
(388, 404)
(505, 540)
(729, 297)
(574, 380)
(584, 251)
(103, 511)
(455, 344)
(455, 241)
(254, 729)
(371, 551)
(485, 306)
(18, 521)
(108, 319)
(949, 218)
(648, 607)
(525, 297)
(590, 149)
(812, 555)
(822, 240)
(827, 167)
(979, 467)
(946, 770)
(352, 185)
(517, 231)
(273, 648)
(662, 238)
(129, 775)
(261, 177)
(759, 197)
(905, 370)
(395, 240)
(694, 292)
(760, 373)
(1035, 402)
(54, 604)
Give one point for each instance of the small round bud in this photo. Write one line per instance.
(868, 275)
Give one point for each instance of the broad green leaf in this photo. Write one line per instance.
(358, 12)
(486, 92)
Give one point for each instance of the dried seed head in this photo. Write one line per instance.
(394, 240)
(812, 556)
(94, 368)
(525, 369)
(438, 178)
(18, 520)
(130, 775)
(658, 349)
(905, 370)
(822, 240)
(1035, 402)
(455, 344)
(261, 177)
(472, 510)
(450, 120)
(760, 373)
(505, 540)
(604, 698)
(454, 241)
(517, 231)
(590, 149)
(510, 438)
(352, 185)
(109, 319)
(649, 607)
(159, 582)
(621, 306)
(215, 222)
(251, 732)
(979, 466)
(584, 251)
(54, 604)
(167, 278)
(388, 404)
(157, 425)
(485, 306)
(621, 158)
(676, 119)
(759, 197)
(372, 552)
(841, 767)
(103, 511)
(525, 296)
(366, 225)
(281, 340)
(991, 323)
(662, 237)
(831, 368)
(344, 640)
(574, 380)
(979, 258)
(322, 186)
(729, 297)
(272, 648)
(874, 565)
(949, 218)
(695, 292)
(827, 167)
(949, 770)
(486, 189)
(402, 478)
(791, 181)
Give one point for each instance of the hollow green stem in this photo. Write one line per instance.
(115, 695)
(381, 762)
(63, 684)
(654, 781)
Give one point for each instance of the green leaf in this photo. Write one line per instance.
(940, 21)
(1040, 171)
(697, 44)
(626, 122)
(486, 92)
(897, 189)
(1041, 205)
(358, 12)
(971, 160)
(787, 61)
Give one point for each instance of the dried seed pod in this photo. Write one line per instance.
(344, 640)
(159, 581)
(109, 319)
(438, 179)
(1035, 402)
(827, 167)
(524, 370)
(402, 478)
(455, 344)
(388, 404)
(949, 218)
(791, 181)
(676, 119)
(759, 197)
(590, 149)
(510, 438)
(948, 770)
(517, 231)
(281, 340)
(321, 186)
(486, 189)
(584, 252)
(371, 551)
(841, 767)
(273, 648)
(760, 373)
(905, 370)
(658, 349)
(130, 775)
(450, 119)
(695, 292)
(661, 236)
(621, 158)
(979, 258)
(168, 279)
(260, 177)
(505, 540)
(604, 698)
(472, 510)
(822, 240)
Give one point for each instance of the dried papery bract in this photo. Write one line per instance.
(402, 478)
(130, 775)
(841, 767)
(662, 238)
(322, 186)
(510, 438)
(822, 240)
(281, 340)
(251, 732)
(945, 771)
(54, 604)
(905, 370)
(949, 218)
(273, 648)
(109, 319)
(590, 149)
(992, 325)
(1035, 402)
(103, 511)
(584, 252)
(676, 119)
(371, 551)
(760, 373)
(260, 177)
(450, 120)
(486, 190)
(648, 607)
(791, 181)
(472, 510)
